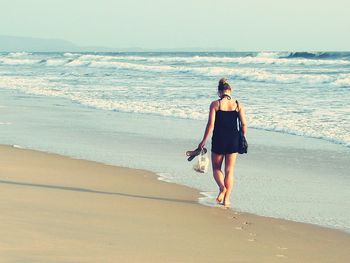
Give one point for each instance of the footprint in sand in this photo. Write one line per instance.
(280, 256)
(282, 248)
(252, 234)
(251, 239)
(239, 228)
(246, 223)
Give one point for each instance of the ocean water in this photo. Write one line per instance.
(298, 93)
(145, 110)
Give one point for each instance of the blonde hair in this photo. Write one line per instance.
(223, 86)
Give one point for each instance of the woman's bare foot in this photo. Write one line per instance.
(221, 196)
(227, 204)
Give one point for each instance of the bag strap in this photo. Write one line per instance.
(237, 107)
(239, 117)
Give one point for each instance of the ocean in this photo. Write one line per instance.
(144, 110)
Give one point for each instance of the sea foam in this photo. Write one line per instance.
(273, 85)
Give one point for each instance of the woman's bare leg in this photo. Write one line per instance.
(216, 160)
(230, 160)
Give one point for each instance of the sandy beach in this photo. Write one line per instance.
(101, 100)
(59, 209)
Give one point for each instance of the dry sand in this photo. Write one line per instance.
(59, 209)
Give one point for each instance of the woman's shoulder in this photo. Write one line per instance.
(215, 104)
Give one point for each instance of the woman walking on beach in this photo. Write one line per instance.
(222, 121)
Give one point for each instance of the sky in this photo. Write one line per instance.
(245, 25)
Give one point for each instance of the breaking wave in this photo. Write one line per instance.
(114, 59)
(134, 82)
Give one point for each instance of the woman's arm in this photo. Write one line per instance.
(210, 125)
(243, 119)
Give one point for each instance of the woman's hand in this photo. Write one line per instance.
(201, 145)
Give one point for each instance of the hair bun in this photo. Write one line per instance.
(223, 81)
(223, 84)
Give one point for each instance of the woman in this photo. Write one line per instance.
(222, 121)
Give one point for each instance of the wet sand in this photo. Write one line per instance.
(59, 209)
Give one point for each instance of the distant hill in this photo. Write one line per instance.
(15, 44)
(30, 44)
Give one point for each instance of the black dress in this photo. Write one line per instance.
(225, 139)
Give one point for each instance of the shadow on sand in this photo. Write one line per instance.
(92, 191)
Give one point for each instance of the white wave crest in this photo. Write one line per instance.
(18, 54)
(77, 62)
(268, 54)
(261, 58)
(76, 59)
(68, 54)
(15, 61)
(30, 85)
(56, 62)
(297, 123)
(247, 74)
(126, 65)
(344, 80)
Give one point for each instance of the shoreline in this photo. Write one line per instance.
(201, 195)
(49, 197)
(296, 169)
